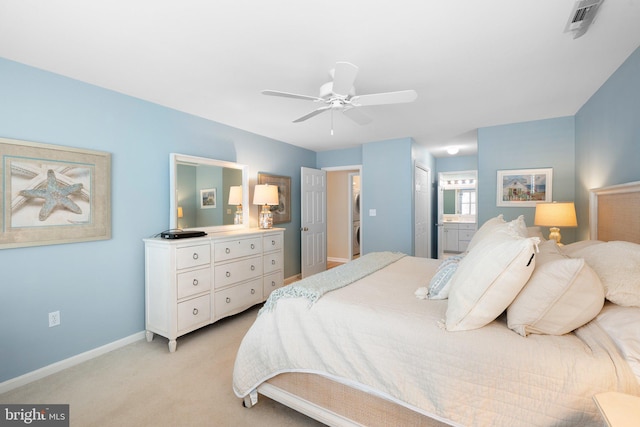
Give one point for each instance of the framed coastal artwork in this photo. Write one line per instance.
(282, 211)
(524, 187)
(53, 194)
(208, 198)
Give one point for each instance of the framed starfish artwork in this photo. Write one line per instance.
(53, 194)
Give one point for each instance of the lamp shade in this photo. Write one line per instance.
(556, 214)
(265, 195)
(235, 195)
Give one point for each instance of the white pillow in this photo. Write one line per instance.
(621, 323)
(562, 294)
(488, 279)
(441, 281)
(488, 228)
(618, 265)
(572, 248)
(535, 232)
(517, 227)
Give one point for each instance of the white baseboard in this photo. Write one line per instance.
(291, 279)
(334, 259)
(67, 363)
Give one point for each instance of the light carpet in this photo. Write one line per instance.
(142, 384)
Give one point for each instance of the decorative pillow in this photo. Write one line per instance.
(621, 323)
(488, 279)
(572, 248)
(535, 232)
(441, 281)
(488, 228)
(562, 294)
(517, 227)
(618, 265)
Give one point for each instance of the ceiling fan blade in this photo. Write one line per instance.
(357, 116)
(344, 76)
(290, 95)
(312, 114)
(385, 98)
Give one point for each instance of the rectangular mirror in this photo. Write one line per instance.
(199, 194)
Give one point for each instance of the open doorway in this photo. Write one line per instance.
(457, 211)
(344, 231)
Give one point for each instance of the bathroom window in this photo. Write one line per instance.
(467, 202)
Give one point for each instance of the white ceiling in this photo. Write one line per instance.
(473, 63)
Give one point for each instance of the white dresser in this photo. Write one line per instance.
(191, 283)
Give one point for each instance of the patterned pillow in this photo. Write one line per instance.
(441, 281)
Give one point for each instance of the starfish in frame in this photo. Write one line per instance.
(54, 195)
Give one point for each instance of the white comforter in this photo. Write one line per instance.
(374, 334)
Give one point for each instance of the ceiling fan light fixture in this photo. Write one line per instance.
(453, 150)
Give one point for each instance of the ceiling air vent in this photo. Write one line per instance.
(581, 16)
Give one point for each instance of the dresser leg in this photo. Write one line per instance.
(173, 344)
(149, 335)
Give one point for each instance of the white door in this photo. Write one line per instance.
(422, 201)
(313, 229)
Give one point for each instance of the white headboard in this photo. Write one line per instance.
(614, 212)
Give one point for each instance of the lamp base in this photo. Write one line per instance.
(265, 219)
(554, 234)
(237, 219)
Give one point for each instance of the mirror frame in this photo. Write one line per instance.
(175, 159)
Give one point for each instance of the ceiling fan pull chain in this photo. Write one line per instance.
(332, 122)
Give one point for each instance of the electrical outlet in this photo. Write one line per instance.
(54, 318)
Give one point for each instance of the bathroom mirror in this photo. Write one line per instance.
(199, 194)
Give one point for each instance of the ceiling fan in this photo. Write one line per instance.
(339, 94)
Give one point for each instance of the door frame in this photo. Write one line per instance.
(357, 168)
(429, 214)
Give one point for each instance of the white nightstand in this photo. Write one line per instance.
(618, 409)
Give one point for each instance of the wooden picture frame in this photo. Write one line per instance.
(281, 212)
(53, 194)
(524, 187)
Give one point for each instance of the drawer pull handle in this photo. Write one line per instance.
(273, 283)
(253, 291)
(253, 267)
(195, 282)
(195, 255)
(228, 274)
(273, 262)
(253, 246)
(227, 250)
(228, 300)
(273, 243)
(195, 311)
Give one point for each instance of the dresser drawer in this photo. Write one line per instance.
(194, 313)
(193, 256)
(467, 227)
(194, 282)
(272, 282)
(236, 298)
(272, 242)
(230, 249)
(237, 271)
(272, 262)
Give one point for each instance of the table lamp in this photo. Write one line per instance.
(235, 198)
(555, 215)
(265, 195)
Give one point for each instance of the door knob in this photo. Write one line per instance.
(304, 229)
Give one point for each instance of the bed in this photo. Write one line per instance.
(361, 345)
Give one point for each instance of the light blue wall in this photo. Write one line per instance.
(387, 178)
(608, 136)
(456, 163)
(99, 286)
(530, 145)
(336, 158)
